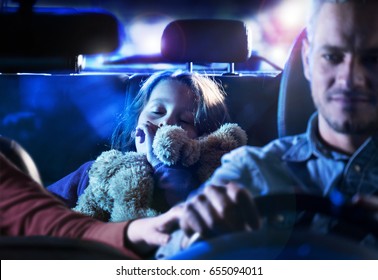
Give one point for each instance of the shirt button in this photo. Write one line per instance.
(357, 168)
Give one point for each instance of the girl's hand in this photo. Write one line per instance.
(144, 136)
(148, 233)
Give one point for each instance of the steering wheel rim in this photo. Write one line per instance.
(290, 243)
(270, 205)
(269, 245)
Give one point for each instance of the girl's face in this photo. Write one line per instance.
(170, 103)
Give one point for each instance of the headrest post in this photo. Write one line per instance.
(189, 66)
(231, 67)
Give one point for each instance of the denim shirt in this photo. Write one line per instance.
(302, 163)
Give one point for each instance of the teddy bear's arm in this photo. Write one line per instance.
(132, 192)
(88, 205)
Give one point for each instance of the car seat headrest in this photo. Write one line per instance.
(295, 105)
(58, 32)
(206, 40)
(52, 39)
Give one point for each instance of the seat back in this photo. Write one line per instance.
(295, 104)
(251, 101)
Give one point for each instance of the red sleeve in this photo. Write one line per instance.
(27, 209)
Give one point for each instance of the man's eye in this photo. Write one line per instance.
(333, 58)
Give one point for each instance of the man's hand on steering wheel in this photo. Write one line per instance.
(220, 210)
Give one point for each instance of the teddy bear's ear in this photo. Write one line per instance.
(213, 146)
(191, 152)
(232, 130)
(172, 144)
(228, 137)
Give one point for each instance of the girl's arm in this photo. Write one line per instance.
(72, 186)
(173, 184)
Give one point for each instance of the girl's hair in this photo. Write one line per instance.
(211, 111)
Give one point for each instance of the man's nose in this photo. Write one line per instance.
(352, 74)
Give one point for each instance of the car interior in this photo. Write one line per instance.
(56, 114)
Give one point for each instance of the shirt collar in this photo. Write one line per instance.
(309, 144)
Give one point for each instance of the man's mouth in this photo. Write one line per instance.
(351, 98)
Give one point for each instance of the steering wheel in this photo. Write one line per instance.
(287, 240)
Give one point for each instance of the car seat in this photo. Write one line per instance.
(250, 98)
(295, 104)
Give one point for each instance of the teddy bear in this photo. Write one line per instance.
(121, 185)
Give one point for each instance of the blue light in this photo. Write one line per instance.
(336, 197)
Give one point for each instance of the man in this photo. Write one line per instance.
(336, 157)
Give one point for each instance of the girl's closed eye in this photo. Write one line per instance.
(187, 122)
(157, 110)
(187, 118)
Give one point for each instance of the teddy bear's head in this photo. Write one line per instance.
(173, 146)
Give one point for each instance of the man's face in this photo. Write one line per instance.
(341, 62)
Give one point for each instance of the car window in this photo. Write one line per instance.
(67, 119)
(273, 25)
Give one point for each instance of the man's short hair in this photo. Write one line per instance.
(317, 4)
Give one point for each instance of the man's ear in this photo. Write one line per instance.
(306, 58)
